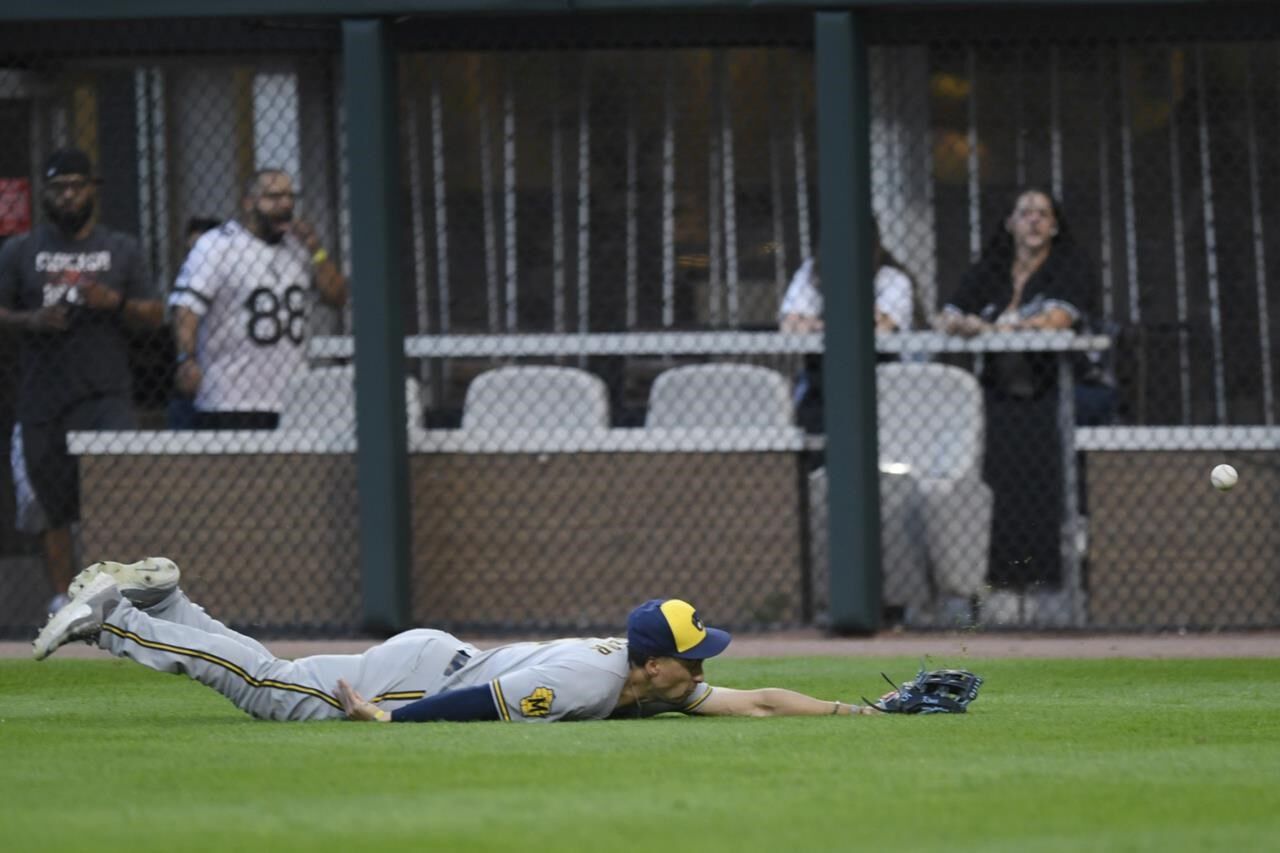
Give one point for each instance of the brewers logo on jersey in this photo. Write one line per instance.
(537, 703)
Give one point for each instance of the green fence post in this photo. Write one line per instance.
(373, 161)
(849, 383)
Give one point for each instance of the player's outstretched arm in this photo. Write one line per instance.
(774, 702)
(466, 704)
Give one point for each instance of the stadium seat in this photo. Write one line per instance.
(932, 426)
(935, 510)
(902, 543)
(720, 396)
(324, 399)
(535, 397)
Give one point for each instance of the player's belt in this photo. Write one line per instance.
(459, 661)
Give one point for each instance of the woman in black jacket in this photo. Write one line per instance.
(1030, 276)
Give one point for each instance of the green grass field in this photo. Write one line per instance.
(1055, 755)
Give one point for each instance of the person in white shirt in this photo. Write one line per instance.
(896, 309)
(241, 306)
(896, 306)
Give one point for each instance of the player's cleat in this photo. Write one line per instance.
(79, 620)
(58, 602)
(144, 583)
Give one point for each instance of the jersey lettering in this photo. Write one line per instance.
(57, 262)
(270, 320)
(608, 647)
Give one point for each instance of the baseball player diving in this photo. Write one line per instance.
(138, 611)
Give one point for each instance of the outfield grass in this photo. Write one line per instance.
(1092, 755)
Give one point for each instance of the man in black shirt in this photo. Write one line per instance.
(71, 288)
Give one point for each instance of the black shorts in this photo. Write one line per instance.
(54, 474)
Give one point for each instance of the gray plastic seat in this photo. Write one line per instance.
(535, 397)
(719, 396)
(323, 399)
(932, 426)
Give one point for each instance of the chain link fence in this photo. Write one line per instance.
(613, 308)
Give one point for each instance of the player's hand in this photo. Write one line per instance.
(50, 318)
(99, 297)
(355, 706)
(187, 378)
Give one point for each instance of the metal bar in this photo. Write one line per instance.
(160, 173)
(584, 198)
(137, 9)
(486, 204)
(668, 200)
(1163, 438)
(1055, 120)
(511, 252)
(369, 83)
(705, 343)
(441, 374)
(417, 218)
(1130, 208)
(1210, 244)
(728, 186)
(1019, 125)
(631, 273)
(777, 209)
(928, 271)
(1259, 254)
(975, 164)
(800, 150)
(440, 189)
(418, 221)
(1179, 243)
(558, 281)
(715, 236)
(145, 187)
(1104, 188)
(1071, 557)
(849, 385)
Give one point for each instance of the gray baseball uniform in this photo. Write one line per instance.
(570, 679)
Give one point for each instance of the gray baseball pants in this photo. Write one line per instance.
(177, 636)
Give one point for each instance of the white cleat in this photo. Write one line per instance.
(145, 583)
(58, 602)
(81, 619)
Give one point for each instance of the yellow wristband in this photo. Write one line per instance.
(320, 256)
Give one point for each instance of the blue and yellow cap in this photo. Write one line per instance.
(670, 628)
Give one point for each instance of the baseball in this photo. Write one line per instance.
(1224, 477)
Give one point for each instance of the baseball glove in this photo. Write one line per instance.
(940, 691)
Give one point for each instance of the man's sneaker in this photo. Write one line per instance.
(81, 619)
(144, 583)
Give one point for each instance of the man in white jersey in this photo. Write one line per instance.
(241, 306)
(137, 611)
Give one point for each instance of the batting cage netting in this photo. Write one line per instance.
(612, 309)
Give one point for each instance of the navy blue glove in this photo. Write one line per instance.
(940, 691)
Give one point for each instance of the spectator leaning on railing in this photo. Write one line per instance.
(71, 288)
(1031, 276)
